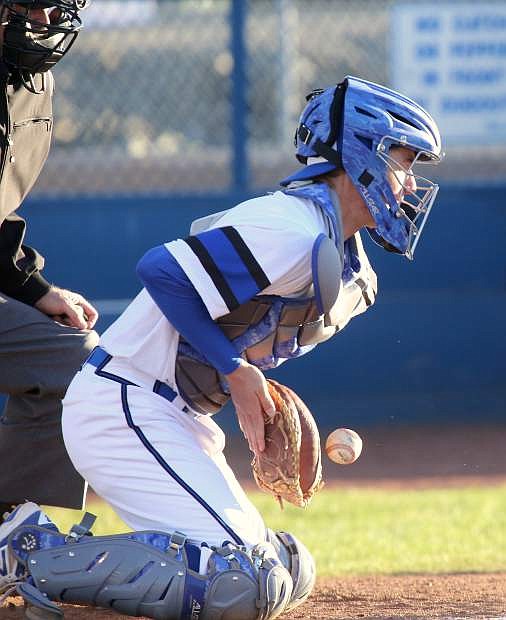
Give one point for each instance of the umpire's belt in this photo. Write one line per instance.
(99, 358)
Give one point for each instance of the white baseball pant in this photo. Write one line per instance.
(158, 466)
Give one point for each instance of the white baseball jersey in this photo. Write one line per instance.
(160, 465)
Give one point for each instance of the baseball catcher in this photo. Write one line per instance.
(248, 289)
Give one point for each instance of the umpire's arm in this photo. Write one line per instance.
(20, 265)
(20, 278)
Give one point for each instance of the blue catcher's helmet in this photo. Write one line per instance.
(352, 126)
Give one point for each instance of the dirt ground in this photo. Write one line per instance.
(449, 597)
(402, 458)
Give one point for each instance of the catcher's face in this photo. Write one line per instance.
(399, 173)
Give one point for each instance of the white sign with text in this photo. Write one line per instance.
(451, 58)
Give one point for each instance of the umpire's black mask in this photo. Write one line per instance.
(38, 33)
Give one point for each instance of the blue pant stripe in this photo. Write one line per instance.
(168, 468)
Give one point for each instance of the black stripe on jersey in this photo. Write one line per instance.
(214, 273)
(365, 295)
(250, 262)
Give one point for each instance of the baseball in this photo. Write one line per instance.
(343, 446)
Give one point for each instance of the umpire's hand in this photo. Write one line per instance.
(68, 308)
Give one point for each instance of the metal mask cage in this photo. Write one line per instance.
(31, 45)
(416, 204)
(62, 20)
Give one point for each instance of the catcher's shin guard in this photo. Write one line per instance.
(296, 558)
(151, 574)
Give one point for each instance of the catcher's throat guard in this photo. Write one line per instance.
(149, 573)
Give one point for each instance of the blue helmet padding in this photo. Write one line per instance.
(308, 172)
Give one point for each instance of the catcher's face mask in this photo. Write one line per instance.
(37, 34)
(412, 193)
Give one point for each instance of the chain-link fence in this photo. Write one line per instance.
(158, 96)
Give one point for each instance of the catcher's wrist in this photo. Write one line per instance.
(237, 363)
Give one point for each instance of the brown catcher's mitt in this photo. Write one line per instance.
(290, 466)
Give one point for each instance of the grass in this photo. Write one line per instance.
(380, 531)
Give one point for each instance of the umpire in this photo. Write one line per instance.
(45, 332)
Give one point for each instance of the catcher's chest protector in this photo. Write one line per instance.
(269, 329)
